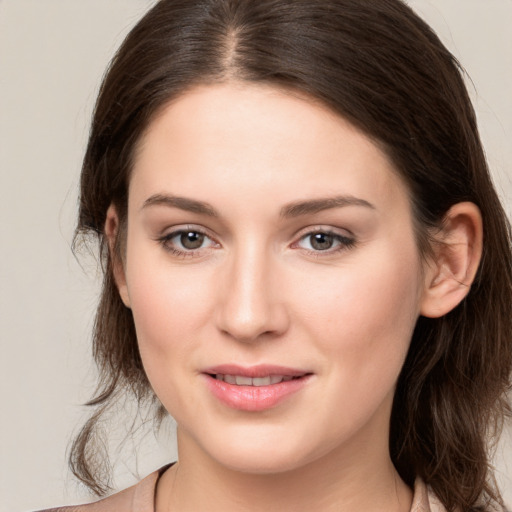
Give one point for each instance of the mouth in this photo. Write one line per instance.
(241, 380)
(256, 388)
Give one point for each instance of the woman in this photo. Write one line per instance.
(306, 263)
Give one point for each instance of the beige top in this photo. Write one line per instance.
(141, 498)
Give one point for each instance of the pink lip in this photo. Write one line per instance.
(254, 398)
(261, 370)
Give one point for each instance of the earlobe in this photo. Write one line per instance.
(457, 254)
(112, 228)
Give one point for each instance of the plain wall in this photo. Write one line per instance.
(52, 56)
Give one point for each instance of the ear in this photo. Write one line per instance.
(457, 254)
(112, 226)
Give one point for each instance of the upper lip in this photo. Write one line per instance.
(261, 370)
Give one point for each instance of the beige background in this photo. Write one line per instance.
(52, 55)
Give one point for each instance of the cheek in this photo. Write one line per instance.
(169, 309)
(169, 305)
(365, 312)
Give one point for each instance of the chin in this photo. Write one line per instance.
(262, 452)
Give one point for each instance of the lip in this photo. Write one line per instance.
(260, 370)
(254, 398)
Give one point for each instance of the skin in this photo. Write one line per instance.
(258, 291)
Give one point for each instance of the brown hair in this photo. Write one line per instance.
(381, 67)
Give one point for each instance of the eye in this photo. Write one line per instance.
(189, 240)
(325, 241)
(320, 241)
(186, 241)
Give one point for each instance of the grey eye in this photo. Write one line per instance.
(320, 241)
(191, 239)
(325, 241)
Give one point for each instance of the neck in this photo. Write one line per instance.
(343, 480)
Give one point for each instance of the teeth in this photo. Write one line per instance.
(240, 380)
(243, 381)
(230, 379)
(261, 381)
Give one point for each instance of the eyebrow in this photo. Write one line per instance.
(309, 207)
(183, 203)
(295, 209)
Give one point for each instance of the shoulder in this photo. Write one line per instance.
(138, 498)
(119, 502)
(425, 500)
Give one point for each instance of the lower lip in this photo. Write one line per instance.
(254, 398)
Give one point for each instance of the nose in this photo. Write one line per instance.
(251, 305)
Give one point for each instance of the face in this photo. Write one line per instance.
(273, 275)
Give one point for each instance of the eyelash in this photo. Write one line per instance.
(165, 242)
(344, 242)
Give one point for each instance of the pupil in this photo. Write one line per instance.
(192, 240)
(321, 241)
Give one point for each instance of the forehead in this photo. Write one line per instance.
(253, 139)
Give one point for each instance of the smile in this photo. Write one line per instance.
(257, 388)
(241, 380)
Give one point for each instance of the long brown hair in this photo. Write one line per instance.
(377, 64)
